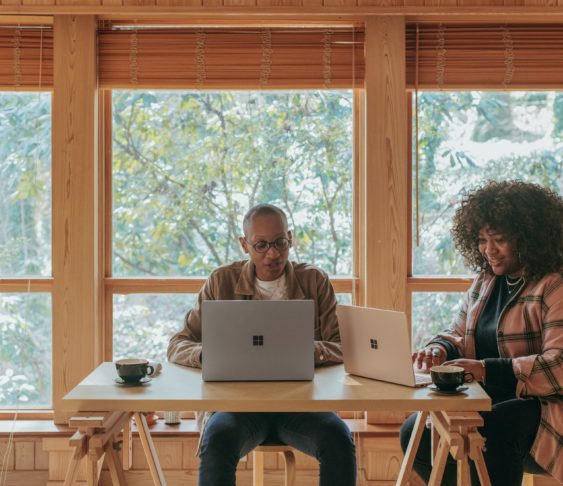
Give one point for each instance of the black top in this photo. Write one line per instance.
(500, 378)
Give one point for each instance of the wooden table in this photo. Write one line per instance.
(455, 418)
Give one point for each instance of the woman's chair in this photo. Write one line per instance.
(258, 463)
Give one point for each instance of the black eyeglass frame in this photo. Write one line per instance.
(270, 244)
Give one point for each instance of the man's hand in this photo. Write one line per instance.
(474, 366)
(432, 355)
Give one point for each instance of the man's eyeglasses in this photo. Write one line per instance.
(262, 246)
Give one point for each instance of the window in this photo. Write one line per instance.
(466, 138)
(25, 250)
(186, 165)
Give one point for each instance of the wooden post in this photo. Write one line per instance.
(385, 171)
(76, 332)
(386, 163)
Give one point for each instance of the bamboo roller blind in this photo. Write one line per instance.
(450, 56)
(26, 57)
(485, 56)
(219, 58)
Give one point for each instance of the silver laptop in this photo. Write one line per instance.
(376, 344)
(258, 340)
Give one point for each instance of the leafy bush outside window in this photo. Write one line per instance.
(25, 248)
(188, 165)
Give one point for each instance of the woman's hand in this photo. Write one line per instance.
(431, 355)
(474, 366)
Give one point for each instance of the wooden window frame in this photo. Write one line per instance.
(426, 283)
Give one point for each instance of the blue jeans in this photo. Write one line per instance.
(230, 436)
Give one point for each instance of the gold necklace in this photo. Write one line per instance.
(512, 286)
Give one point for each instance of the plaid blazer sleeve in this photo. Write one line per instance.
(457, 333)
(541, 374)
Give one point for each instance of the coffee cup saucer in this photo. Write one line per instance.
(142, 381)
(459, 389)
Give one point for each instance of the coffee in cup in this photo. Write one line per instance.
(449, 377)
(133, 370)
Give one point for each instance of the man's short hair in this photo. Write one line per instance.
(262, 210)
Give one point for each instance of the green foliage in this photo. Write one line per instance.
(187, 166)
(466, 139)
(25, 350)
(25, 192)
(143, 323)
(25, 248)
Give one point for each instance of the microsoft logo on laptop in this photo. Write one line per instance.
(373, 343)
(258, 340)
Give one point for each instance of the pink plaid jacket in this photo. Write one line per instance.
(530, 331)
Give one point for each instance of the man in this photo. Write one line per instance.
(268, 275)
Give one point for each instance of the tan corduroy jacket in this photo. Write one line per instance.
(530, 332)
(236, 282)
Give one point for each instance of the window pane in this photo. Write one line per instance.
(432, 312)
(188, 165)
(25, 191)
(467, 138)
(345, 299)
(25, 351)
(143, 323)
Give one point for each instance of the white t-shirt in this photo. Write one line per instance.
(272, 289)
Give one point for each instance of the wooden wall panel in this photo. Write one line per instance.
(7, 454)
(78, 2)
(278, 3)
(24, 455)
(477, 8)
(386, 163)
(38, 2)
(239, 3)
(138, 3)
(338, 3)
(380, 3)
(179, 3)
(76, 347)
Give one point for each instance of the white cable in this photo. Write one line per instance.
(9, 447)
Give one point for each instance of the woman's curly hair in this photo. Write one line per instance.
(528, 215)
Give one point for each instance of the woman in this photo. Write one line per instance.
(509, 332)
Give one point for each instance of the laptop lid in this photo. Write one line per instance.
(258, 340)
(376, 344)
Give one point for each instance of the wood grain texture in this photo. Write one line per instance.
(380, 3)
(38, 2)
(76, 346)
(386, 163)
(24, 455)
(179, 3)
(278, 3)
(78, 2)
(239, 3)
(338, 3)
(138, 3)
(331, 389)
